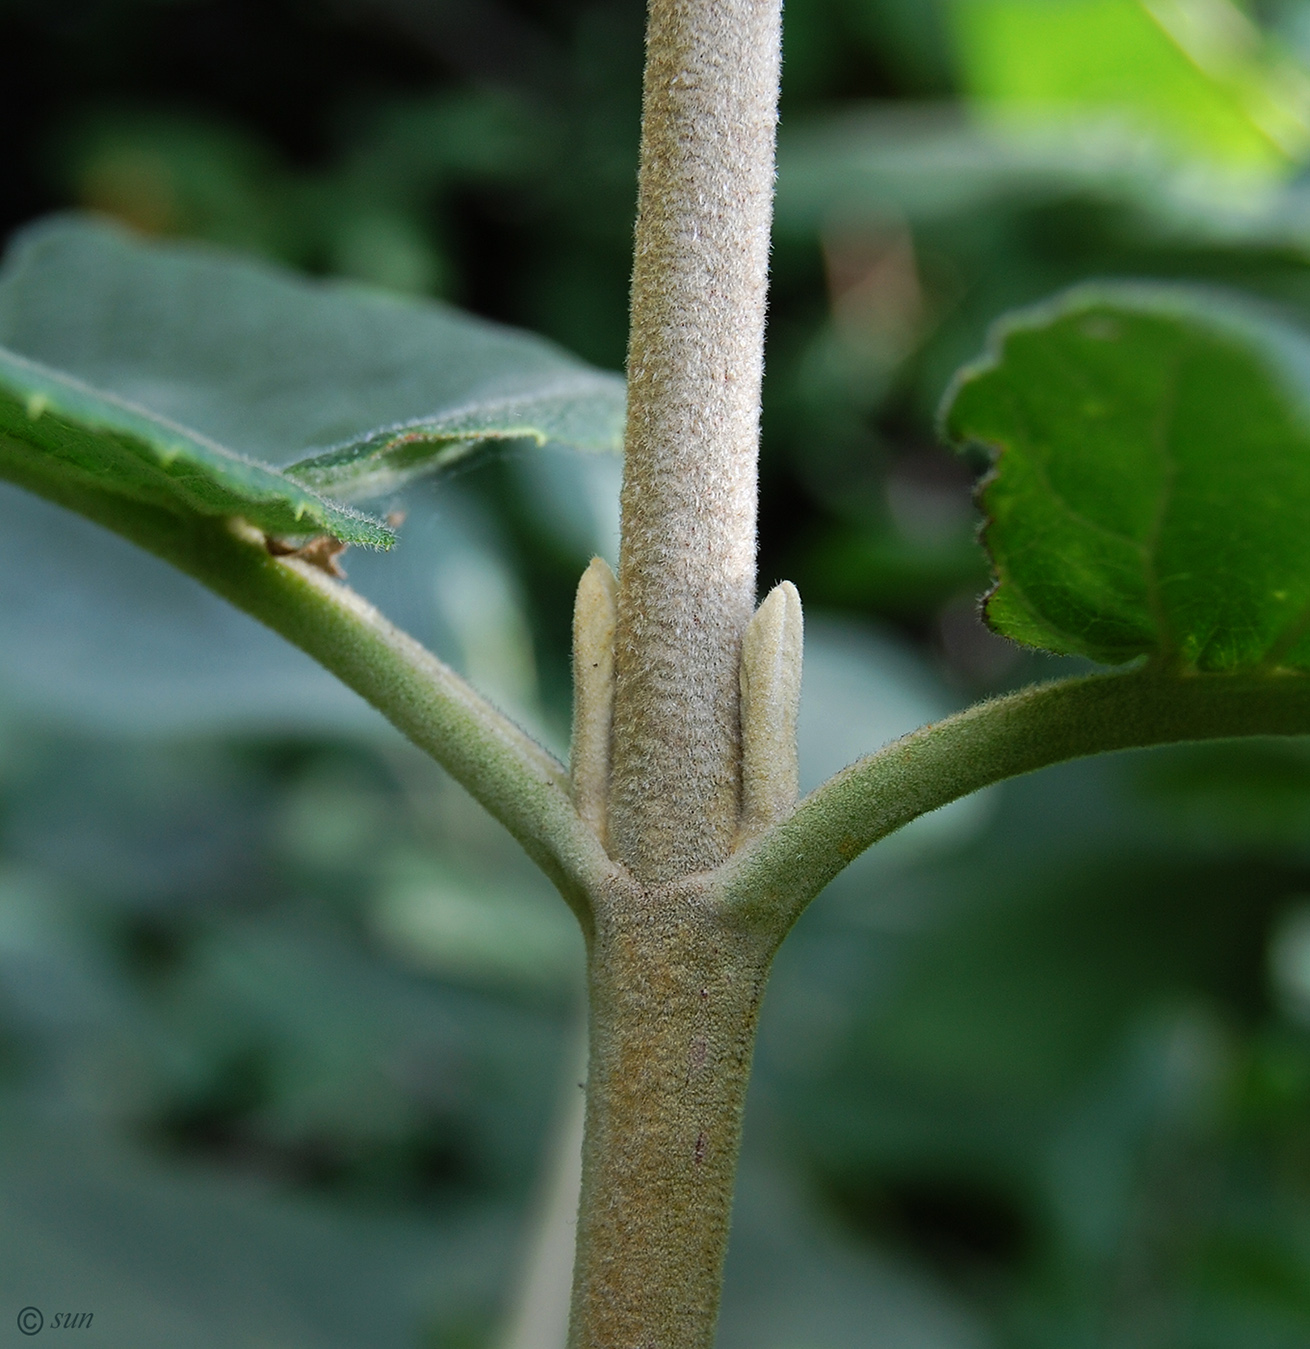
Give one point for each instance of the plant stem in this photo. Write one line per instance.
(674, 996)
(674, 991)
(674, 988)
(687, 564)
(773, 879)
(518, 781)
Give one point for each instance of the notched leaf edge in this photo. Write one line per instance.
(1224, 314)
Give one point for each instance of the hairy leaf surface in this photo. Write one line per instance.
(1151, 489)
(53, 427)
(184, 377)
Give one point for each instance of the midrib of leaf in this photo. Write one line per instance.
(356, 466)
(367, 464)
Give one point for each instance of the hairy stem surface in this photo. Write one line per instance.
(674, 988)
(774, 879)
(518, 781)
(687, 565)
(675, 993)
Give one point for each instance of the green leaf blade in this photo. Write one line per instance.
(1151, 489)
(361, 390)
(582, 409)
(60, 427)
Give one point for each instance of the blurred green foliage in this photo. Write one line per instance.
(284, 1019)
(1202, 77)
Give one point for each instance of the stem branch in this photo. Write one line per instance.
(774, 878)
(518, 781)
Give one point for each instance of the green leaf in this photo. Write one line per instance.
(54, 427)
(1151, 490)
(582, 408)
(1199, 77)
(183, 376)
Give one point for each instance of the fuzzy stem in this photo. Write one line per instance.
(518, 781)
(687, 565)
(674, 996)
(772, 879)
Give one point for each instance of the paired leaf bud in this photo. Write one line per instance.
(770, 698)
(770, 674)
(594, 616)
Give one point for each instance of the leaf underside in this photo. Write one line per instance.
(53, 428)
(182, 377)
(1150, 494)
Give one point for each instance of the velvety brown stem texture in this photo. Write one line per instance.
(687, 565)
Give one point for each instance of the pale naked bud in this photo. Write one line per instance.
(593, 692)
(770, 698)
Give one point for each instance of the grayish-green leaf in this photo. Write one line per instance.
(358, 389)
(54, 427)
